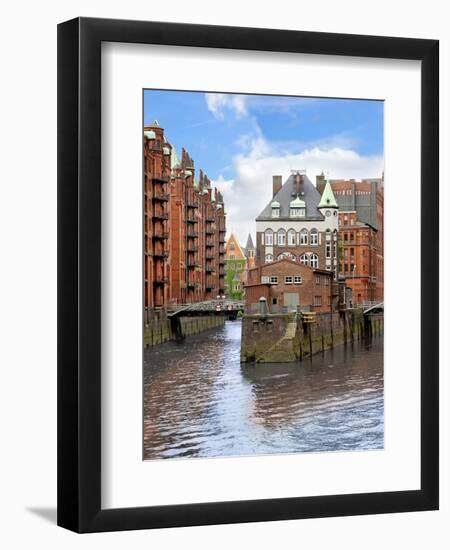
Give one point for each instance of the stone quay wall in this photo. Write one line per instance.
(160, 329)
(281, 338)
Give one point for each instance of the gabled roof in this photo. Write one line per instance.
(308, 194)
(328, 198)
(237, 251)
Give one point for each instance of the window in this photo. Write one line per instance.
(314, 261)
(275, 212)
(314, 237)
(304, 236)
(268, 259)
(232, 257)
(291, 237)
(317, 280)
(269, 237)
(281, 237)
(288, 280)
(328, 250)
(326, 281)
(274, 280)
(298, 280)
(231, 246)
(317, 300)
(297, 212)
(304, 259)
(274, 301)
(287, 256)
(265, 280)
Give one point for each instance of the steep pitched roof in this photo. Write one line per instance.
(328, 198)
(308, 194)
(249, 245)
(233, 248)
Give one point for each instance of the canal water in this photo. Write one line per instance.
(199, 401)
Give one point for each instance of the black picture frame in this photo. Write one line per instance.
(79, 274)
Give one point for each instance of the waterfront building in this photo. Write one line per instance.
(361, 229)
(300, 224)
(184, 227)
(288, 285)
(235, 269)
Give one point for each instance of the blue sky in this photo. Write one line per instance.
(240, 141)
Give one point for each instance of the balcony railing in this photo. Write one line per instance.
(209, 244)
(160, 280)
(192, 204)
(161, 235)
(161, 197)
(160, 216)
(192, 234)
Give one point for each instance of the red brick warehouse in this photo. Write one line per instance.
(184, 227)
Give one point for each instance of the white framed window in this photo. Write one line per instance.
(314, 237)
(269, 237)
(304, 259)
(265, 279)
(291, 237)
(288, 280)
(314, 261)
(304, 236)
(268, 259)
(317, 300)
(298, 280)
(281, 237)
(297, 212)
(275, 212)
(274, 280)
(317, 280)
(327, 281)
(286, 256)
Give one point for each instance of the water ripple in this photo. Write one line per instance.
(199, 401)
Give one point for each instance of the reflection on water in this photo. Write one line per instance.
(199, 401)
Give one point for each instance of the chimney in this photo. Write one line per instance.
(320, 182)
(297, 181)
(276, 184)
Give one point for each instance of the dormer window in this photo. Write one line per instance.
(275, 209)
(297, 212)
(297, 208)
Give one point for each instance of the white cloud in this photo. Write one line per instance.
(251, 189)
(218, 103)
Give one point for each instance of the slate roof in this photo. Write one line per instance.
(286, 194)
(249, 245)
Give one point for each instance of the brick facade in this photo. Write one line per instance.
(184, 227)
(286, 283)
(361, 230)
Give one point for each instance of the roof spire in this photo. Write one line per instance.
(328, 199)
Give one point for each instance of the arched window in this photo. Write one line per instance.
(268, 258)
(281, 237)
(304, 259)
(291, 237)
(304, 236)
(268, 237)
(286, 255)
(314, 261)
(314, 237)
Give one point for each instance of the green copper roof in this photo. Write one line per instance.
(149, 134)
(275, 204)
(297, 203)
(328, 198)
(166, 151)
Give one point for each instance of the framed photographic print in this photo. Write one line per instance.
(248, 275)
